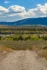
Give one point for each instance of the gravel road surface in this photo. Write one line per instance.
(23, 60)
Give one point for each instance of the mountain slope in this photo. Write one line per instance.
(32, 21)
(27, 21)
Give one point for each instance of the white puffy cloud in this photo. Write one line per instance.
(26, 14)
(21, 12)
(2, 9)
(16, 8)
(42, 8)
(18, 11)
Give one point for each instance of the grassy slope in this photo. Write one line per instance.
(38, 46)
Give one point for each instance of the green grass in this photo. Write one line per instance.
(24, 37)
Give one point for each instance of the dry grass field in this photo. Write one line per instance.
(40, 47)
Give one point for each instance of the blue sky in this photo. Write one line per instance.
(26, 3)
(13, 10)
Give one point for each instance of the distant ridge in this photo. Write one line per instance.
(42, 21)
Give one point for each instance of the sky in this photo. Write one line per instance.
(14, 10)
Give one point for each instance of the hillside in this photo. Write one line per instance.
(27, 21)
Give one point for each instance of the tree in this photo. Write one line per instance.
(20, 38)
(0, 37)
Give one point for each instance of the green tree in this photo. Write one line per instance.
(0, 37)
(20, 38)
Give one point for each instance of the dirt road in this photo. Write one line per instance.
(23, 60)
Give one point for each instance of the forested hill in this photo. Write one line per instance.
(27, 22)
